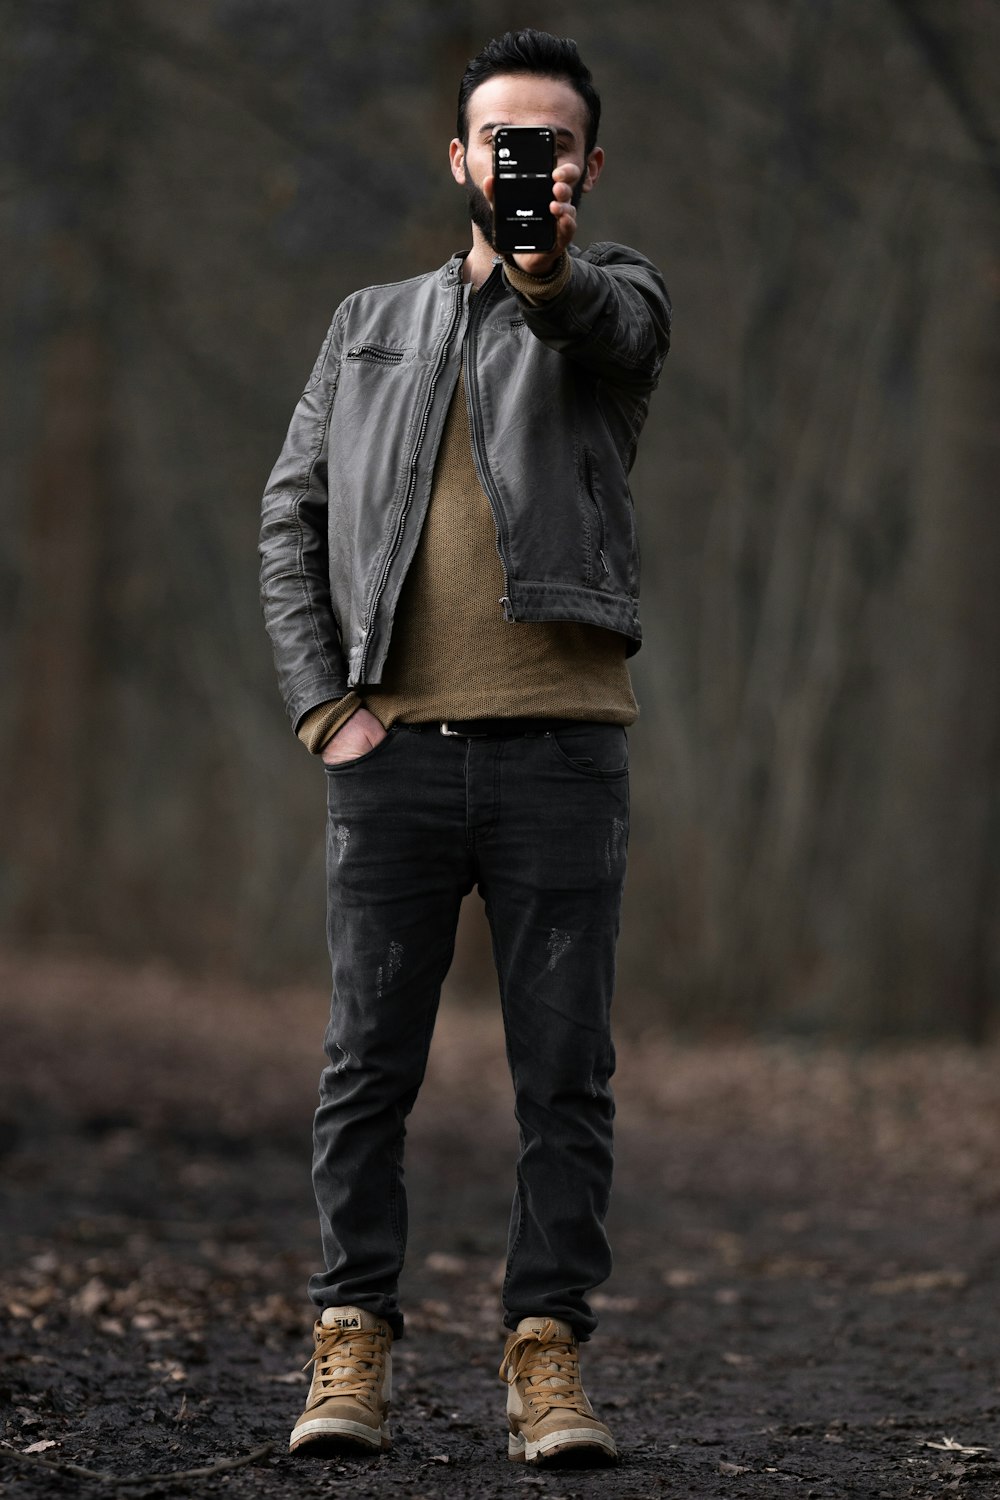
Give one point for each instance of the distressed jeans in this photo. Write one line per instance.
(539, 822)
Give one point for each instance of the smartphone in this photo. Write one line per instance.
(524, 157)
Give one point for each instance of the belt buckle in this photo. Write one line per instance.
(451, 733)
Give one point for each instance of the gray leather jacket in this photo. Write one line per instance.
(557, 396)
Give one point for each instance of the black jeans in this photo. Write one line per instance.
(540, 823)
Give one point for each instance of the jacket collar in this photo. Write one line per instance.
(451, 271)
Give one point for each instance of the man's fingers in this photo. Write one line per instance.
(565, 217)
(361, 733)
(488, 188)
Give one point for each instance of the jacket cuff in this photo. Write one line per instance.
(539, 289)
(321, 723)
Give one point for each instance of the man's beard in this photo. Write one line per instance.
(481, 213)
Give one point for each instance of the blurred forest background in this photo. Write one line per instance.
(187, 192)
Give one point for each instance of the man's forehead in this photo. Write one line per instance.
(527, 98)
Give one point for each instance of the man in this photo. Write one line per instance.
(450, 581)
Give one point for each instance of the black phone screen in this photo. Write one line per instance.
(523, 159)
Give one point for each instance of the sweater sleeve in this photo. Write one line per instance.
(321, 723)
(539, 289)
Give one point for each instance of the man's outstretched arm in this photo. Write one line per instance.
(610, 312)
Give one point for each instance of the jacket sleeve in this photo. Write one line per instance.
(612, 317)
(294, 575)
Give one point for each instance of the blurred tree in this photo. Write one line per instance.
(65, 92)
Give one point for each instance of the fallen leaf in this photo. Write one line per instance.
(728, 1468)
(41, 1445)
(40, 1297)
(920, 1281)
(605, 1302)
(679, 1277)
(91, 1298)
(446, 1265)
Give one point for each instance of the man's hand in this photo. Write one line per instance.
(564, 179)
(361, 733)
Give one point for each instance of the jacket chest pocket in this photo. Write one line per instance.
(372, 391)
(375, 354)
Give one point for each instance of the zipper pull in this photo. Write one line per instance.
(508, 610)
(604, 564)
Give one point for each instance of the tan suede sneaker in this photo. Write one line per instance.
(348, 1405)
(551, 1420)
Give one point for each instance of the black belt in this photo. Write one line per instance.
(489, 729)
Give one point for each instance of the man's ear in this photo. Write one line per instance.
(456, 156)
(592, 169)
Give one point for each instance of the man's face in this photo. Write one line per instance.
(521, 99)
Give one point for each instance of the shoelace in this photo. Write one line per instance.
(349, 1363)
(537, 1358)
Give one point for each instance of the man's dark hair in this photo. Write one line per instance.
(531, 51)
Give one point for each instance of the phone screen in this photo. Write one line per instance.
(523, 159)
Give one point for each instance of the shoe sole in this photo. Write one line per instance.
(332, 1435)
(574, 1447)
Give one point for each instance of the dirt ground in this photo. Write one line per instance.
(804, 1302)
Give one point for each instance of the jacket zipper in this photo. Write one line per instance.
(588, 476)
(411, 485)
(376, 355)
(478, 443)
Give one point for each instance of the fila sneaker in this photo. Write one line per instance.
(348, 1405)
(551, 1420)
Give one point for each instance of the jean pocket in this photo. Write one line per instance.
(336, 768)
(599, 750)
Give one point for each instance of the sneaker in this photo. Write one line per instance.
(348, 1405)
(551, 1420)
